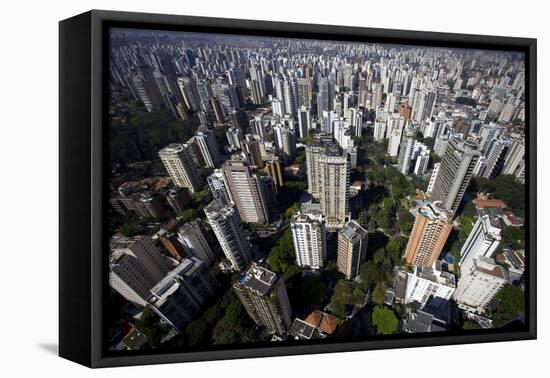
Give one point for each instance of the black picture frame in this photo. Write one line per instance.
(82, 140)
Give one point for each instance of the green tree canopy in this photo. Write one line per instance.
(511, 304)
(385, 320)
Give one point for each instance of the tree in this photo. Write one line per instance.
(129, 228)
(379, 256)
(405, 220)
(385, 320)
(310, 289)
(149, 323)
(513, 236)
(469, 325)
(469, 209)
(189, 214)
(281, 256)
(511, 304)
(371, 274)
(503, 187)
(292, 210)
(378, 295)
(198, 332)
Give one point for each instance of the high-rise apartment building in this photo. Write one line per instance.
(178, 198)
(429, 234)
(285, 138)
(423, 105)
(352, 248)
(433, 177)
(274, 171)
(208, 147)
(245, 191)
(477, 287)
(514, 156)
(334, 178)
(226, 224)
(180, 295)
(406, 150)
(313, 152)
(482, 241)
(394, 132)
(309, 236)
(252, 148)
(457, 167)
(135, 266)
(178, 161)
(192, 237)
(304, 86)
(264, 296)
(217, 186)
(304, 121)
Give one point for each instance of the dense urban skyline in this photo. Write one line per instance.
(268, 189)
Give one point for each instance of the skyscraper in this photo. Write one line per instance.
(235, 136)
(423, 105)
(217, 186)
(189, 92)
(285, 138)
(178, 198)
(244, 189)
(264, 296)
(208, 147)
(313, 152)
(394, 131)
(136, 265)
(352, 248)
(483, 240)
(251, 147)
(178, 161)
(325, 97)
(429, 234)
(456, 170)
(406, 150)
(309, 236)
(226, 224)
(514, 156)
(304, 91)
(273, 168)
(179, 296)
(304, 121)
(192, 238)
(494, 157)
(334, 176)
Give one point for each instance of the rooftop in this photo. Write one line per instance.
(325, 322)
(353, 230)
(302, 330)
(259, 279)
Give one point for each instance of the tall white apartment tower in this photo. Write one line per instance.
(135, 266)
(208, 147)
(396, 123)
(457, 167)
(245, 190)
(482, 241)
(178, 161)
(334, 175)
(226, 224)
(192, 238)
(309, 236)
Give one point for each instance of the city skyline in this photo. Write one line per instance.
(268, 189)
